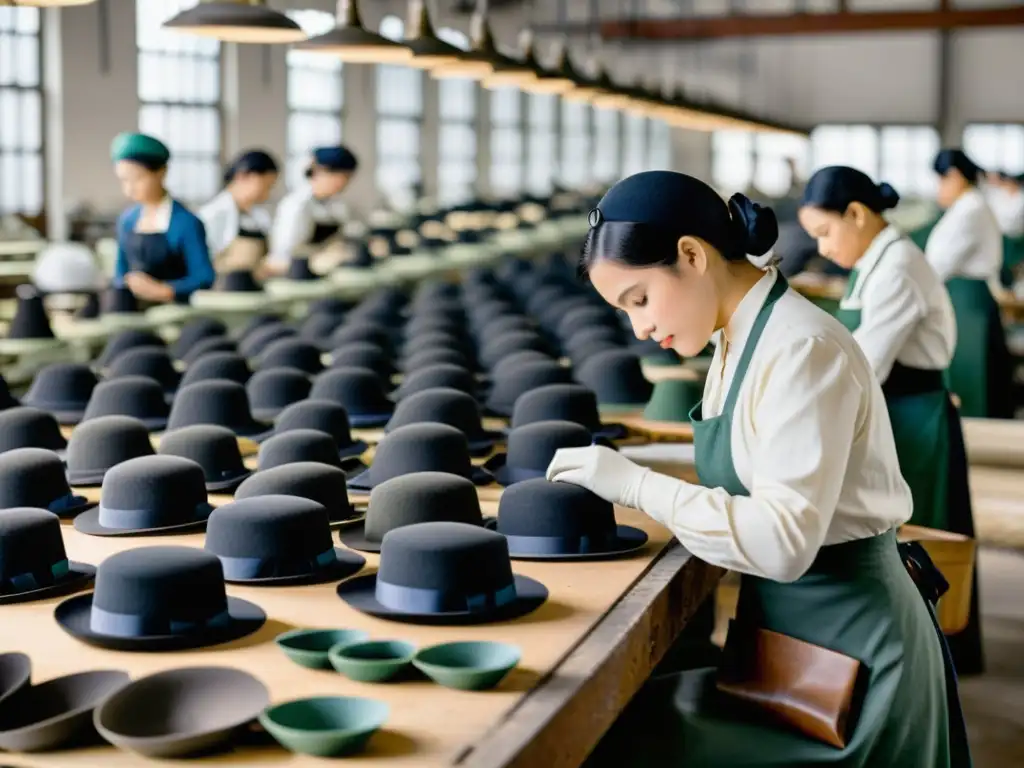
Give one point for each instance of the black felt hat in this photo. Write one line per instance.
(30, 320)
(586, 316)
(429, 324)
(98, 445)
(139, 397)
(63, 389)
(159, 599)
(223, 403)
(363, 354)
(34, 477)
(331, 305)
(271, 390)
(118, 300)
(515, 381)
(359, 390)
(256, 322)
(532, 447)
(149, 495)
(292, 353)
(26, 427)
(309, 480)
(420, 448)
(90, 310)
(425, 358)
(483, 312)
(324, 416)
(214, 449)
(502, 326)
(298, 269)
(436, 340)
(318, 327)
(563, 402)
(617, 379)
(33, 562)
(561, 521)
(587, 342)
(298, 445)
(255, 343)
(424, 497)
(152, 362)
(498, 347)
(446, 375)
(238, 281)
(277, 540)
(443, 405)
(429, 291)
(364, 330)
(196, 329)
(229, 366)
(208, 346)
(444, 573)
(7, 400)
(125, 340)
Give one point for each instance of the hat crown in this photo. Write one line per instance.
(181, 583)
(511, 341)
(208, 346)
(359, 390)
(299, 445)
(533, 446)
(154, 362)
(321, 483)
(319, 326)
(292, 352)
(541, 508)
(217, 365)
(139, 397)
(31, 477)
(445, 556)
(515, 361)
(420, 498)
(258, 321)
(167, 489)
(364, 330)
(277, 388)
(557, 402)
(530, 374)
(362, 354)
(62, 384)
(214, 449)
(271, 526)
(223, 403)
(502, 325)
(322, 415)
(101, 443)
(125, 340)
(615, 376)
(256, 342)
(30, 542)
(30, 320)
(442, 405)
(425, 358)
(421, 448)
(441, 375)
(588, 316)
(27, 427)
(195, 330)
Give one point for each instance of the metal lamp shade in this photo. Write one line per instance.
(237, 22)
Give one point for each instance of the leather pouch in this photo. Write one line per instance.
(812, 689)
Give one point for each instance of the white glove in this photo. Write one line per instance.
(600, 470)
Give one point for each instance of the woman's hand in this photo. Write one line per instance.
(600, 470)
(146, 288)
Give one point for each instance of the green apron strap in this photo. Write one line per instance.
(779, 288)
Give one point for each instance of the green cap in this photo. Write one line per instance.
(140, 148)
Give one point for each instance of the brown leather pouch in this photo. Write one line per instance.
(815, 690)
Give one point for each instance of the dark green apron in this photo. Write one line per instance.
(858, 599)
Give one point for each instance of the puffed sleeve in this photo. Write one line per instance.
(803, 426)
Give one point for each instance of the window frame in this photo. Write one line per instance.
(542, 145)
(1015, 170)
(507, 172)
(574, 168)
(388, 121)
(457, 174)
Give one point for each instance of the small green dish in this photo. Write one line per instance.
(374, 661)
(468, 666)
(309, 647)
(326, 726)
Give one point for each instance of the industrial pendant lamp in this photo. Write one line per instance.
(428, 50)
(352, 42)
(236, 21)
(478, 62)
(586, 88)
(557, 80)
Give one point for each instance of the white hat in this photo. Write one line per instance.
(67, 268)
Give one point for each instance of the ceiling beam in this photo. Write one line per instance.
(710, 27)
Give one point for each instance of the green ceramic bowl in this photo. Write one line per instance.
(469, 666)
(309, 647)
(374, 661)
(327, 726)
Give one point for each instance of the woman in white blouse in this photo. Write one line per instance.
(900, 313)
(1005, 195)
(966, 250)
(236, 223)
(800, 488)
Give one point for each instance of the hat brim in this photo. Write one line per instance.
(354, 449)
(89, 524)
(360, 594)
(369, 420)
(79, 576)
(73, 617)
(345, 564)
(355, 537)
(349, 522)
(229, 484)
(364, 483)
(628, 540)
(504, 475)
(78, 509)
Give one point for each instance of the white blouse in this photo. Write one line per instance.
(906, 314)
(811, 441)
(967, 242)
(223, 221)
(1008, 208)
(295, 221)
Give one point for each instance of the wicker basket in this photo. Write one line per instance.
(953, 554)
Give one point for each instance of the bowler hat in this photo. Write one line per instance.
(33, 562)
(215, 449)
(363, 354)
(125, 340)
(159, 599)
(498, 347)
(34, 477)
(515, 381)
(216, 402)
(98, 445)
(218, 365)
(361, 330)
(292, 353)
(359, 390)
(425, 358)
(271, 390)
(318, 482)
(617, 380)
(63, 389)
(446, 375)
(208, 346)
(532, 447)
(298, 445)
(324, 416)
(149, 495)
(560, 521)
(255, 343)
(137, 396)
(277, 541)
(563, 402)
(196, 329)
(30, 320)
(318, 327)
(26, 427)
(152, 362)
(586, 316)
(444, 573)
(256, 322)
(443, 405)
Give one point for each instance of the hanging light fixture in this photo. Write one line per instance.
(557, 80)
(350, 41)
(428, 50)
(479, 61)
(236, 21)
(587, 88)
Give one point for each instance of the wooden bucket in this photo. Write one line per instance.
(953, 554)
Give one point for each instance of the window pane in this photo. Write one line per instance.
(852, 145)
(636, 145)
(21, 119)
(780, 161)
(505, 176)
(732, 160)
(399, 116)
(659, 150)
(907, 154)
(607, 151)
(575, 152)
(996, 147)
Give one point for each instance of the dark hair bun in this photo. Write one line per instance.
(755, 226)
(889, 197)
